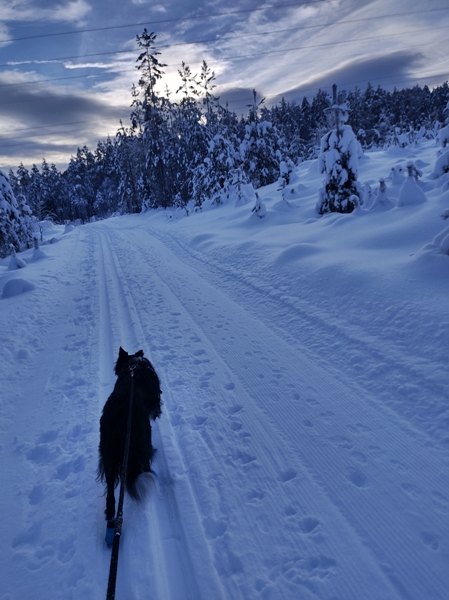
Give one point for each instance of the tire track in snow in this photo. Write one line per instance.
(344, 440)
(156, 557)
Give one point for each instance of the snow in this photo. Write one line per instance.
(17, 286)
(303, 449)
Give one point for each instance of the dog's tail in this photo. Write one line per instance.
(138, 488)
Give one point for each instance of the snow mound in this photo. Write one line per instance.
(283, 206)
(68, 228)
(441, 165)
(14, 287)
(441, 241)
(16, 263)
(410, 193)
(296, 252)
(38, 254)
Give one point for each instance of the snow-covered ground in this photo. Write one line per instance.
(303, 450)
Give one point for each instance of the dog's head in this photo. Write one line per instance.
(124, 357)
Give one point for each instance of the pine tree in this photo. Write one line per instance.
(339, 161)
(16, 230)
(260, 148)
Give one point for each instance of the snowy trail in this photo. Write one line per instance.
(336, 450)
(279, 477)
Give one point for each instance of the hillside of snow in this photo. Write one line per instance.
(303, 449)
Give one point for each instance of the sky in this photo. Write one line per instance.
(67, 66)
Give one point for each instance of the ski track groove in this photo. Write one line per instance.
(158, 557)
(372, 527)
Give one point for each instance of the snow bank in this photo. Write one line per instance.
(14, 287)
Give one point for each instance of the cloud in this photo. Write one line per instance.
(384, 69)
(238, 99)
(69, 12)
(44, 121)
(76, 11)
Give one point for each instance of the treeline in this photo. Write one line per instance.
(196, 149)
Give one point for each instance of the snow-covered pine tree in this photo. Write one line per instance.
(129, 162)
(150, 110)
(410, 193)
(15, 222)
(260, 149)
(381, 200)
(339, 161)
(221, 165)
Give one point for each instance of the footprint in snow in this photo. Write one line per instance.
(36, 495)
(359, 428)
(308, 524)
(214, 528)
(244, 458)
(290, 511)
(319, 565)
(198, 421)
(287, 475)
(359, 457)
(255, 496)
(41, 454)
(356, 477)
(69, 467)
(235, 425)
(209, 405)
(28, 537)
(48, 437)
(430, 540)
(341, 441)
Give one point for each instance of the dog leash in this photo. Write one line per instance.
(110, 595)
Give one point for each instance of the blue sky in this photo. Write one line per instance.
(67, 66)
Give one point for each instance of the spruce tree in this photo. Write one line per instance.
(339, 161)
(16, 232)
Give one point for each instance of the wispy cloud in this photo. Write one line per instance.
(31, 114)
(74, 11)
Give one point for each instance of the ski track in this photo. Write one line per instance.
(261, 369)
(154, 553)
(252, 425)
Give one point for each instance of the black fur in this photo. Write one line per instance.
(113, 423)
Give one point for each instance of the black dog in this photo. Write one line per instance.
(114, 420)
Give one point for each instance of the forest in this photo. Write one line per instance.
(178, 153)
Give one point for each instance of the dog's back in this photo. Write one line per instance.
(114, 420)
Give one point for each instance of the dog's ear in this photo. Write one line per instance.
(139, 354)
(122, 358)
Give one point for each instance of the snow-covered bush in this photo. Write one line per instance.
(396, 175)
(403, 140)
(443, 136)
(259, 209)
(339, 161)
(382, 201)
(441, 165)
(15, 262)
(410, 192)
